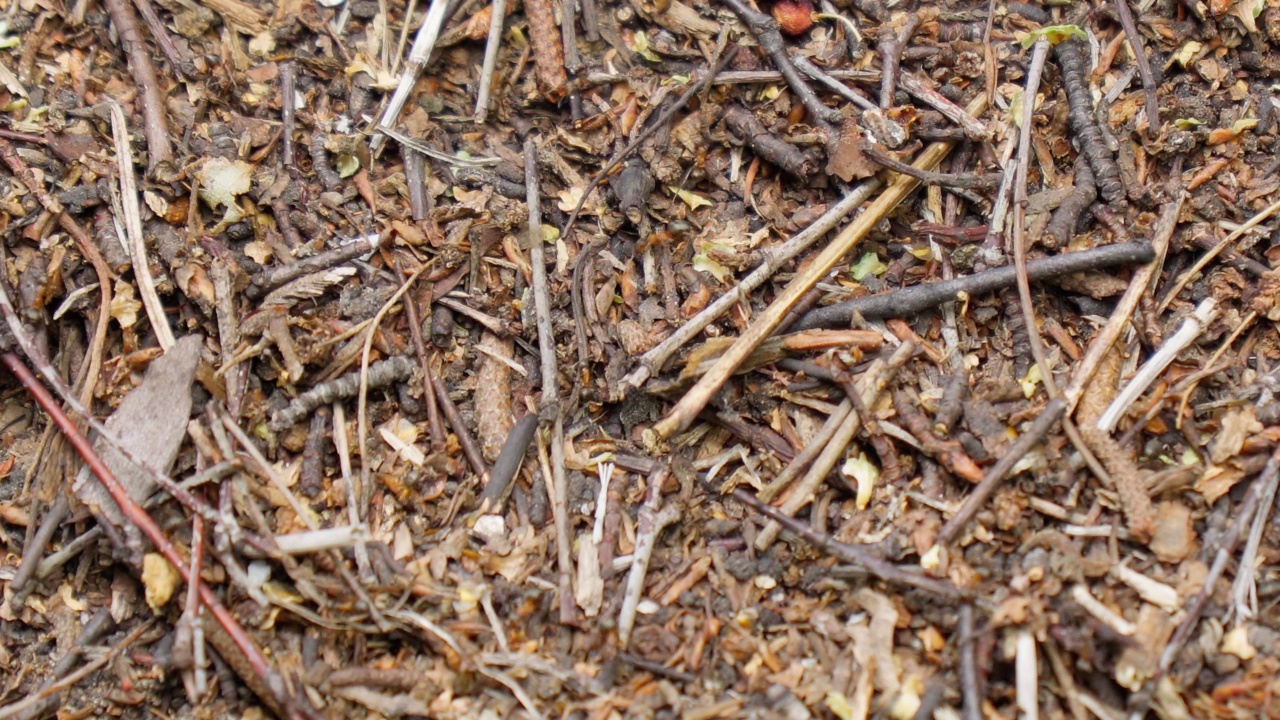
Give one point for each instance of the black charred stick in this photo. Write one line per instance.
(918, 298)
(1106, 173)
(787, 157)
(1067, 217)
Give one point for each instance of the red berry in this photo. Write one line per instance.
(794, 16)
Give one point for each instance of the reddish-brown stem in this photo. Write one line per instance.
(428, 387)
(155, 125)
(147, 525)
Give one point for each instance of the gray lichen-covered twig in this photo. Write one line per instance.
(381, 373)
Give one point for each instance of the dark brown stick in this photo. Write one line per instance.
(177, 61)
(1144, 65)
(428, 383)
(288, 115)
(968, 180)
(892, 42)
(155, 123)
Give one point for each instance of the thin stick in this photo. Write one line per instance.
(652, 361)
(1144, 65)
(972, 126)
(362, 399)
(133, 229)
(288, 115)
(139, 517)
(967, 180)
(89, 668)
(891, 46)
(550, 378)
(155, 124)
(541, 288)
(470, 448)
(490, 59)
(423, 43)
(1208, 257)
(1244, 592)
(970, 690)
(1105, 338)
(700, 394)
(428, 378)
(653, 518)
(815, 446)
(852, 554)
(560, 517)
(875, 380)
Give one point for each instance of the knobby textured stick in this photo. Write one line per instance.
(280, 697)
(918, 298)
(700, 394)
(155, 124)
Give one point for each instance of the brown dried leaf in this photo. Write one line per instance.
(847, 160)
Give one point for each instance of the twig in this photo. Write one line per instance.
(423, 43)
(653, 518)
(155, 124)
(1208, 257)
(133, 229)
(362, 398)
(541, 288)
(1244, 593)
(590, 20)
(692, 403)
(189, 630)
(768, 146)
(177, 61)
(973, 128)
(893, 40)
(996, 475)
(498, 17)
(970, 687)
(1149, 85)
(1194, 608)
(689, 94)
(852, 554)
(428, 377)
(1191, 329)
(268, 280)
(652, 361)
(803, 64)
(967, 180)
(875, 380)
(470, 448)
(89, 668)
(1128, 302)
(1027, 672)
(765, 29)
(560, 517)
(288, 115)
(143, 521)
(811, 451)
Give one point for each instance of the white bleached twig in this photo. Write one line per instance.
(1191, 328)
(423, 43)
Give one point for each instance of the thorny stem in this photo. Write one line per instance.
(144, 522)
(766, 32)
(156, 125)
